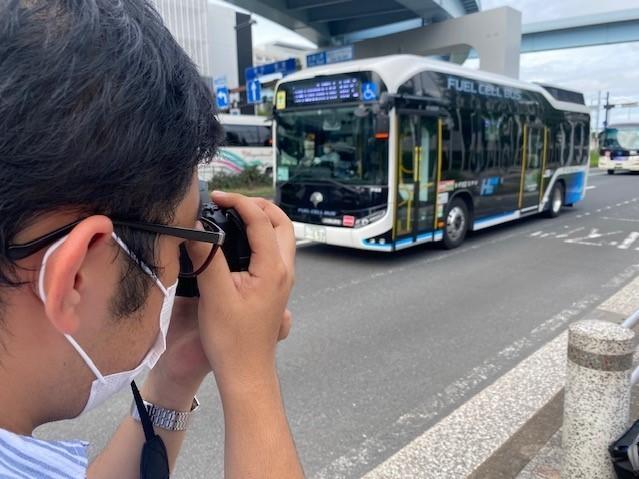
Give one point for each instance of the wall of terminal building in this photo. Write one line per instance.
(187, 22)
(223, 41)
(209, 36)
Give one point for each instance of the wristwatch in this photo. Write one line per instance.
(167, 419)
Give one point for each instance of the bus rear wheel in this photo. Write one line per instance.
(556, 201)
(611, 172)
(456, 224)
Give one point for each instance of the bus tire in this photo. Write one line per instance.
(556, 201)
(457, 219)
(611, 172)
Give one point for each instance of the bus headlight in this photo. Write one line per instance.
(366, 220)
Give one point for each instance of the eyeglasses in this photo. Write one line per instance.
(212, 235)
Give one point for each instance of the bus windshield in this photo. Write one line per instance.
(621, 137)
(331, 144)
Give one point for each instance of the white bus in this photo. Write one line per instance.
(619, 148)
(248, 142)
(386, 153)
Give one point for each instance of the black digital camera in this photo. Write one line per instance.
(236, 247)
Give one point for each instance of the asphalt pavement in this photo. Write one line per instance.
(384, 346)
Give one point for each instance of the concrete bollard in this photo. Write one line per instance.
(597, 397)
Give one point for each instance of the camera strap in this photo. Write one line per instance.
(633, 454)
(154, 463)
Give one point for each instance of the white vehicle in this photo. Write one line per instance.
(619, 148)
(248, 142)
(386, 153)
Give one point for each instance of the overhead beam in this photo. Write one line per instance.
(585, 36)
(355, 24)
(278, 12)
(349, 11)
(306, 4)
(450, 9)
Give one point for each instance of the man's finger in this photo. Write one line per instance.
(259, 229)
(285, 327)
(283, 230)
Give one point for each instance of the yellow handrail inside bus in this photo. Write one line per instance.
(440, 136)
(523, 169)
(542, 174)
(397, 180)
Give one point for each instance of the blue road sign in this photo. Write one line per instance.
(369, 91)
(254, 91)
(336, 55)
(316, 59)
(222, 98)
(284, 67)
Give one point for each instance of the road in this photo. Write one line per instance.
(384, 346)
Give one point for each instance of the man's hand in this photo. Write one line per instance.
(243, 315)
(183, 366)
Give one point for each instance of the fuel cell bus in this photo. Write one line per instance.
(391, 152)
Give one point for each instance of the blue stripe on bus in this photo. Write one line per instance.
(436, 236)
(575, 187)
(485, 219)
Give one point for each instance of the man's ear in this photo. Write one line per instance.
(63, 272)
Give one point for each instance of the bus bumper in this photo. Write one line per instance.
(339, 236)
(629, 163)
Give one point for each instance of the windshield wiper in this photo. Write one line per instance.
(323, 180)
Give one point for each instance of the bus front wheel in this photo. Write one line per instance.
(611, 172)
(456, 224)
(556, 201)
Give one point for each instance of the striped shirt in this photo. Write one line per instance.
(23, 457)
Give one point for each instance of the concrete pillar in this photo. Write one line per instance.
(597, 398)
(495, 35)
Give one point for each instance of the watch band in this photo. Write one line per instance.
(167, 419)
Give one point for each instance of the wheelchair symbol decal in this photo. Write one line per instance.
(369, 91)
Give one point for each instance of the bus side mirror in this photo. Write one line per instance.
(386, 101)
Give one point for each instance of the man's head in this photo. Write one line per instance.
(102, 116)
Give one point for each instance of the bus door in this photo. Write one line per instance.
(533, 164)
(416, 167)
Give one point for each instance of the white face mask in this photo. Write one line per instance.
(103, 387)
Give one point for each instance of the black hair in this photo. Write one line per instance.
(101, 112)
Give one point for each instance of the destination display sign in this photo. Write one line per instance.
(325, 90)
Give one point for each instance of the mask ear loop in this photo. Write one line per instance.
(154, 463)
(43, 297)
(144, 267)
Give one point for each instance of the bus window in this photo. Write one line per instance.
(242, 135)
(264, 136)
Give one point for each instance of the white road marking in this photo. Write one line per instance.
(591, 187)
(627, 220)
(565, 235)
(629, 241)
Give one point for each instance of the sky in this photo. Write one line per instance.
(613, 68)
